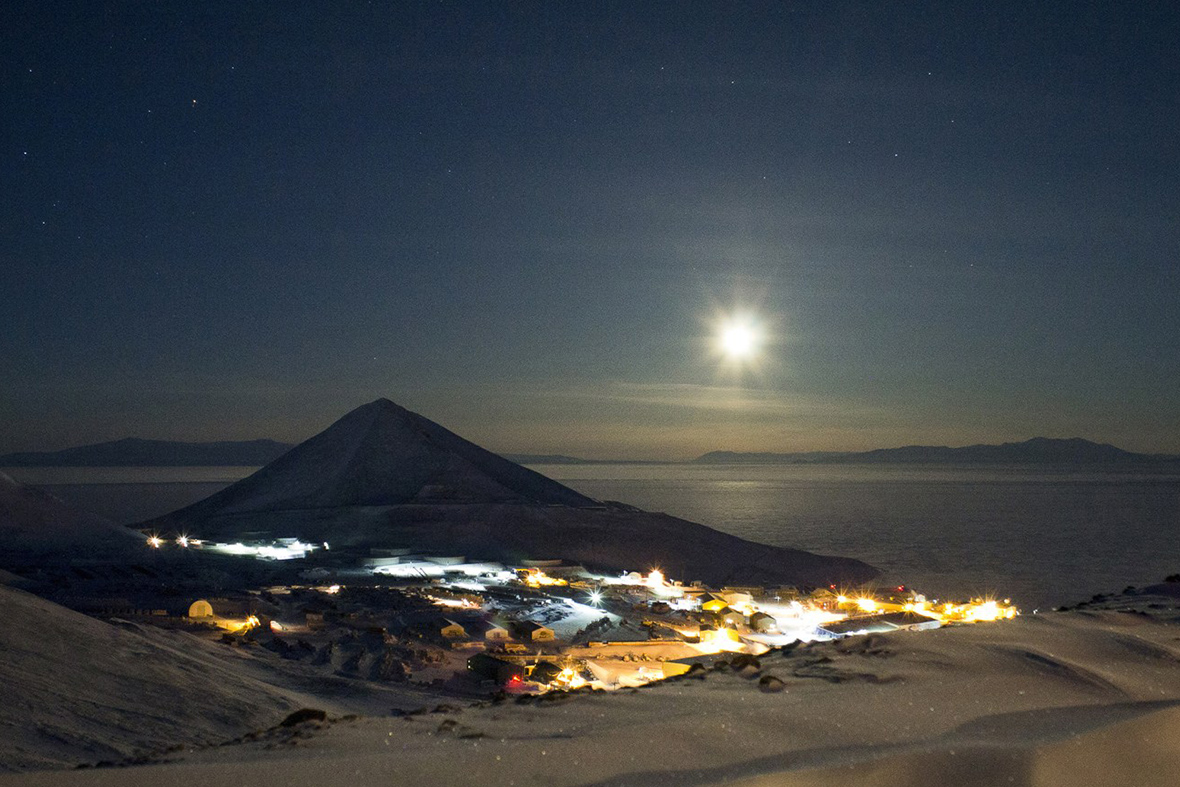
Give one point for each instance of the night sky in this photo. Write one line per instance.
(951, 222)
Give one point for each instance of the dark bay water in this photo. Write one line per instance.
(1041, 536)
(130, 494)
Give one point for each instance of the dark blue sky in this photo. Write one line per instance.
(958, 222)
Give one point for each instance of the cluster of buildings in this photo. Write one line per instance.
(546, 623)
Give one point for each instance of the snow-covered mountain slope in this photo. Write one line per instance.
(79, 690)
(383, 476)
(34, 524)
(381, 454)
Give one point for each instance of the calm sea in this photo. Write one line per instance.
(1039, 536)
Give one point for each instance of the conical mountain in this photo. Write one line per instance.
(381, 454)
(383, 476)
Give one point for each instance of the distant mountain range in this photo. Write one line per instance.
(562, 459)
(546, 459)
(134, 452)
(1038, 450)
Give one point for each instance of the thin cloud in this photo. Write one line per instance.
(718, 398)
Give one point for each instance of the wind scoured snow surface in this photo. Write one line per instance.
(79, 690)
(1081, 699)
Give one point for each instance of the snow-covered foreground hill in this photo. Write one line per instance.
(35, 525)
(1087, 697)
(79, 690)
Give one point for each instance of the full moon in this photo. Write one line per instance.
(738, 341)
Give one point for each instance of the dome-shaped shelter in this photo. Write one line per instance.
(200, 609)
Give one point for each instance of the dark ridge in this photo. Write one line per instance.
(1038, 450)
(135, 452)
(36, 526)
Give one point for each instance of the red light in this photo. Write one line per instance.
(901, 587)
(514, 679)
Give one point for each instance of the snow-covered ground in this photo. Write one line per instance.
(76, 689)
(575, 616)
(1086, 697)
